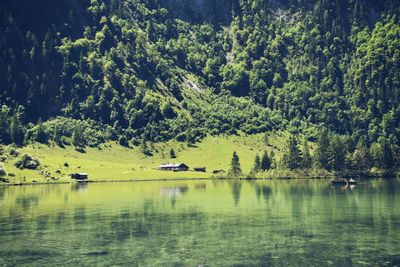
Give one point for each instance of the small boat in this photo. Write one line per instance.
(343, 181)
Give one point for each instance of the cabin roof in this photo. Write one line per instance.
(177, 165)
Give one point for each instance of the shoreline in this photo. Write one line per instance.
(176, 179)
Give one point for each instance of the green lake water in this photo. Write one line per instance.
(202, 223)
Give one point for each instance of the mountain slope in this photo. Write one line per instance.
(157, 70)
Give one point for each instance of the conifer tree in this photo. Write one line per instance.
(78, 139)
(265, 162)
(361, 157)
(41, 135)
(235, 169)
(322, 151)
(4, 125)
(307, 161)
(257, 164)
(172, 153)
(293, 157)
(16, 130)
(266, 139)
(387, 160)
(144, 148)
(272, 160)
(336, 156)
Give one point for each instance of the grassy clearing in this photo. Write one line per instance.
(113, 162)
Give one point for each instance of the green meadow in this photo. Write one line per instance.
(112, 162)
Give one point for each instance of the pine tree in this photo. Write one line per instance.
(235, 169)
(322, 151)
(337, 152)
(307, 161)
(387, 160)
(144, 148)
(4, 125)
(41, 134)
(265, 162)
(257, 164)
(57, 135)
(172, 153)
(266, 139)
(78, 139)
(16, 131)
(361, 158)
(272, 160)
(293, 157)
(190, 140)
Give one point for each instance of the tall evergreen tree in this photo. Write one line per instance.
(307, 161)
(4, 125)
(41, 134)
(235, 169)
(144, 147)
(172, 153)
(387, 160)
(265, 161)
(272, 160)
(16, 130)
(78, 138)
(337, 152)
(293, 157)
(322, 151)
(361, 158)
(257, 164)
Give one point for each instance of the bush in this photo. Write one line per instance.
(2, 171)
(27, 162)
(14, 152)
(123, 141)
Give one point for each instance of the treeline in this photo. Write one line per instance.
(338, 154)
(333, 154)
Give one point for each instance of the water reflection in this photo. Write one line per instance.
(2, 192)
(200, 186)
(27, 201)
(262, 190)
(80, 215)
(236, 189)
(344, 187)
(79, 187)
(193, 223)
(173, 191)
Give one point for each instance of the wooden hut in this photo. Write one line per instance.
(199, 169)
(179, 167)
(80, 176)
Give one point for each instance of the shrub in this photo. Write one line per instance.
(123, 141)
(2, 171)
(27, 162)
(14, 152)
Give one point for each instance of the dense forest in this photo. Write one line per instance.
(84, 72)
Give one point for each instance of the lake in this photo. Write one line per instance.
(201, 223)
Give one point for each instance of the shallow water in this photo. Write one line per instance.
(201, 223)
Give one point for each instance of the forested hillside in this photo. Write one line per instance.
(86, 72)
